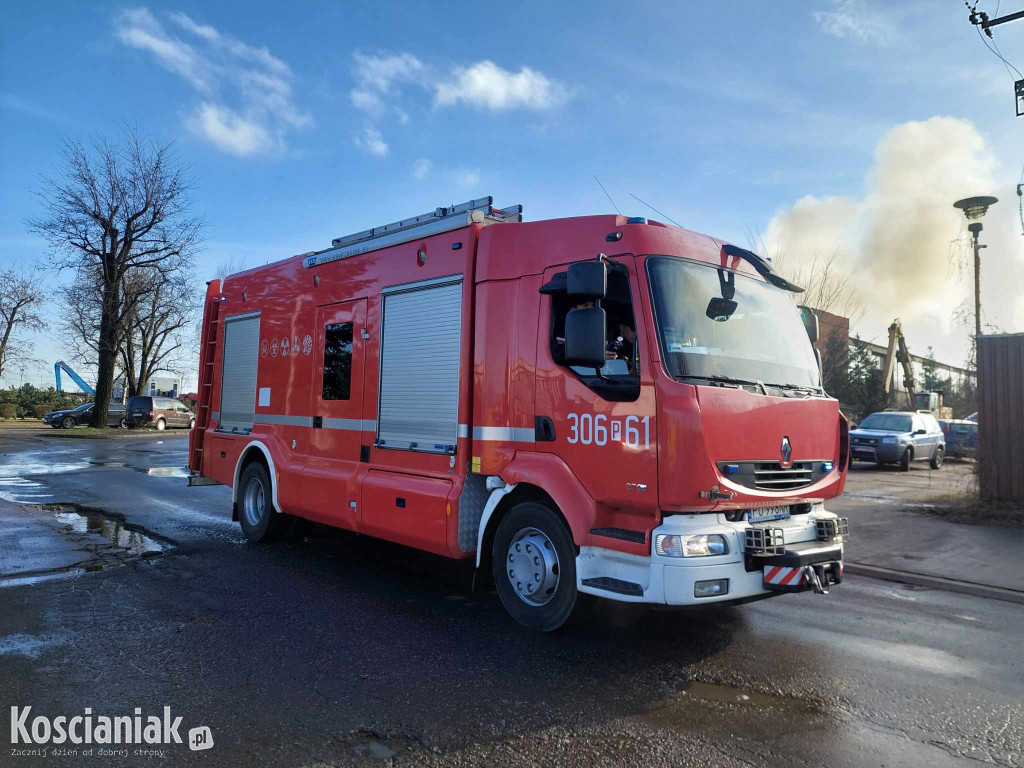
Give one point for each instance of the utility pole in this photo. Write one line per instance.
(981, 20)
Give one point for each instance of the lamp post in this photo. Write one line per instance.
(974, 209)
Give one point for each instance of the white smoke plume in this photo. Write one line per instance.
(904, 244)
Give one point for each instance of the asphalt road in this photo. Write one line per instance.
(337, 649)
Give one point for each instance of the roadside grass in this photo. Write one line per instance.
(20, 423)
(969, 509)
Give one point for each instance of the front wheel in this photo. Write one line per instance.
(534, 564)
(122, 424)
(905, 461)
(192, 424)
(68, 422)
(936, 462)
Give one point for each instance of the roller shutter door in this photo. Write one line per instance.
(238, 375)
(419, 370)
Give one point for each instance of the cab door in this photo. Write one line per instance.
(332, 469)
(609, 441)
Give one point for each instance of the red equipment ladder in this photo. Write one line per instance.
(207, 354)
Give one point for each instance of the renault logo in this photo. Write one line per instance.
(787, 451)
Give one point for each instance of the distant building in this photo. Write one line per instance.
(160, 386)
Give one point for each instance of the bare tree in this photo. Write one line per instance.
(113, 209)
(21, 299)
(161, 327)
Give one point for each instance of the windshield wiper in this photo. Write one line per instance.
(725, 380)
(798, 387)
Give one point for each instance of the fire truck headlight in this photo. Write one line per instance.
(696, 545)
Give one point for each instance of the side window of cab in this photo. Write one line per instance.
(618, 379)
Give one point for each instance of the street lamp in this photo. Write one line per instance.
(974, 208)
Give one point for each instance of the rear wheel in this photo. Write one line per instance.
(161, 425)
(905, 461)
(534, 565)
(936, 462)
(256, 509)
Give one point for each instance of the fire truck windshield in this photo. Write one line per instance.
(719, 325)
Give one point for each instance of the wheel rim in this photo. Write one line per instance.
(252, 502)
(160, 425)
(69, 423)
(938, 457)
(532, 567)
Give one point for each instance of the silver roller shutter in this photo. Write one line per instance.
(238, 375)
(419, 370)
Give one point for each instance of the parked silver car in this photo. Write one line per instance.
(899, 437)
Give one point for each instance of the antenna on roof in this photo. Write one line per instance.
(656, 210)
(607, 195)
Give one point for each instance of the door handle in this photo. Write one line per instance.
(318, 422)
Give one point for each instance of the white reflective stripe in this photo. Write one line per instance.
(284, 421)
(463, 430)
(355, 425)
(281, 420)
(517, 434)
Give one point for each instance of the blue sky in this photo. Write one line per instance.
(307, 121)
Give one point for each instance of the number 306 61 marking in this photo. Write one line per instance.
(588, 429)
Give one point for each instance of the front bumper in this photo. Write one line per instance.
(672, 581)
(887, 452)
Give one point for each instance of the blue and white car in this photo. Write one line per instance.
(899, 437)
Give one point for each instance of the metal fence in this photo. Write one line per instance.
(1001, 416)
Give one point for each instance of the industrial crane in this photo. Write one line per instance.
(898, 351)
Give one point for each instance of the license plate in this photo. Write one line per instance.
(767, 513)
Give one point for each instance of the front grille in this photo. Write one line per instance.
(865, 441)
(774, 477)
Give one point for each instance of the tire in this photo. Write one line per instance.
(161, 425)
(122, 424)
(535, 540)
(192, 424)
(68, 422)
(905, 460)
(256, 513)
(936, 460)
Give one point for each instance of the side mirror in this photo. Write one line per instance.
(810, 321)
(920, 431)
(587, 281)
(584, 337)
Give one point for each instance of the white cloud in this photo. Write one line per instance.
(466, 177)
(229, 131)
(852, 20)
(485, 84)
(379, 80)
(421, 168)
(371, 141)
(247, 106)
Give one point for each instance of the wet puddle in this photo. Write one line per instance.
(133, 542)
(163, 471)
(80, 541)
(727, 695)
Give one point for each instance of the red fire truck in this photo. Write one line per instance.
(601, 405)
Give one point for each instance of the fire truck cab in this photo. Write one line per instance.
(595, 406)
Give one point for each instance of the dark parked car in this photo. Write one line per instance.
(82, 414)
(898, 437)
(961, 437)
(159, 412)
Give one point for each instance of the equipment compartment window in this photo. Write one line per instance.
(337, 361)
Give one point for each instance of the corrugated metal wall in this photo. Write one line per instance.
(1001, 416)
